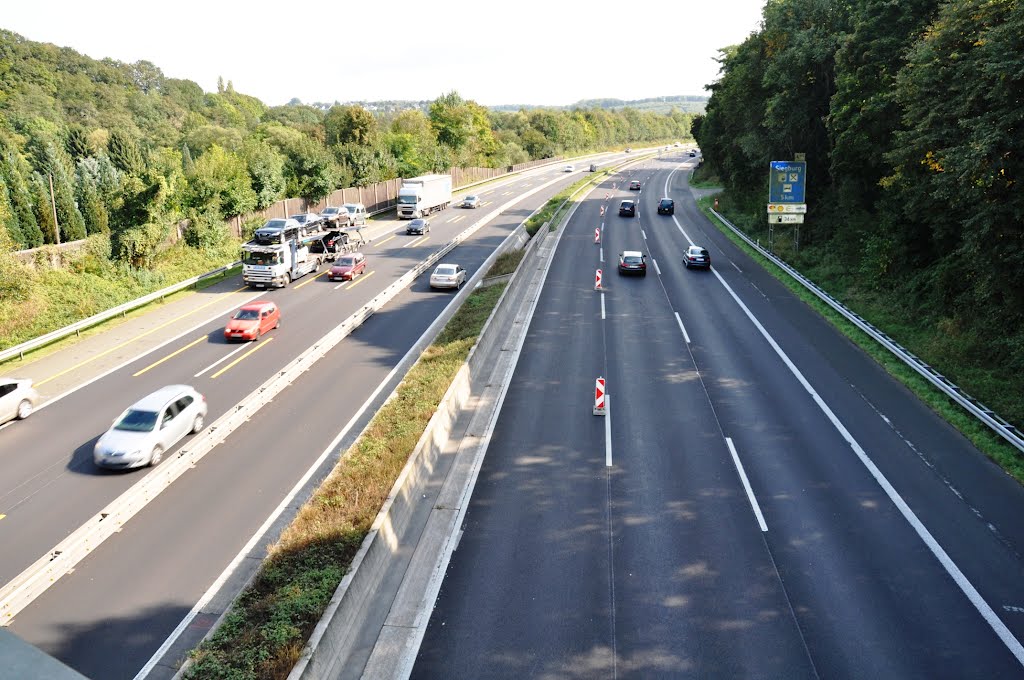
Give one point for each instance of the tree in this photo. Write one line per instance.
(125, 153)
(90, 200)
(221, 181)
(349, 124)
(78, 143)
(42, 208)
(13, 171)
(72, 225)
(266, 171)
(451, 119)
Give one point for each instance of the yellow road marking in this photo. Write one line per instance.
(456, 219)
(170, 356)
(418, 241)
(228, 367)
(2, 516)
(311, 280)
(385, 240)
(507, 193)
(128, 342)
(361, 279)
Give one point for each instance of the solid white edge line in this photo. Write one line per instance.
(944, 559)
(746, 484)
(602, 306)
(656, 267)
(682, 328)
(607, 430)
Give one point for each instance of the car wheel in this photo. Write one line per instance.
(24, 409)
(197, 424)
(256, 335)
(278, 324)
(157, 455)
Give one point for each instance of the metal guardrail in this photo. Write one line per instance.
(1000, 425)
(79, 326)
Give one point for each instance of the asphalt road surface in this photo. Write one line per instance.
(761, 500)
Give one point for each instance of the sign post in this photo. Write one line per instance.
(787, 196)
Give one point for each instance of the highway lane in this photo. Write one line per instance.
(178, 545)
(697, 589)
(49, 485)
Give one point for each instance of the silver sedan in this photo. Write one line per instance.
(448, 276)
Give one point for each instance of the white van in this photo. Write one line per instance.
(356, 214)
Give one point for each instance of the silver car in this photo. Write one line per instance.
(471, 201)
(151, 426)
(448, 276)
(17, 399)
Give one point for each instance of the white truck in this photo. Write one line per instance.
(420, 196)
(280, 253)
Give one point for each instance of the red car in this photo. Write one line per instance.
(347, 267)
(252, 321)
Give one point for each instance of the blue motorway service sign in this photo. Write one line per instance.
(787, 181)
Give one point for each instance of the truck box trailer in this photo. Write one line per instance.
(420, 196)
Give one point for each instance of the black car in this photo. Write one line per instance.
(627, 209)
(333, 243)
(667, 207)
(418, 226)
(632, 262)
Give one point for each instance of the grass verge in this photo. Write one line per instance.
(987, 441)
(269, 623)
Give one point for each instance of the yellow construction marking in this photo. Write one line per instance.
(508, 193)
(378, 243)
(2, 516)
(361, 279)
(456, 219)
(418, 241)
(128, 342)
(228, 367)
(310, 281)
(170, 356)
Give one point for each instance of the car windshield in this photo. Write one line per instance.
(445, 270)
(263, 259)
(627, 204)
(299, 218)
(247, 314)
(470, 198)
(137, 421)
(276, 224)
(407, 200)
(632, 259)
(330, 211)
(417, 223)
(666, 203)
(346, 262)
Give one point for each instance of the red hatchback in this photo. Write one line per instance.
(347, 267)
(252, 321)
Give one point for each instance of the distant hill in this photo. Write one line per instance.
(683, 103)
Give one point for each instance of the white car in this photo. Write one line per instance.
(17, 399)
(471, 201)
(448, 276)
(356, 214)
(151, 426)
(569, 168)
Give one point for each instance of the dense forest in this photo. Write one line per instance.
(131, 153)
(910, 115)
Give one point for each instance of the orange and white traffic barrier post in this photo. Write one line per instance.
(597, 234)
(600, 401)
(597, 280)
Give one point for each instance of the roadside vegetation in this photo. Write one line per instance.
(910, 127)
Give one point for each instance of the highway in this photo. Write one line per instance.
(112, 613)
(761, 500)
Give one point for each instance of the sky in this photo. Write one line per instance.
(520, 52)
